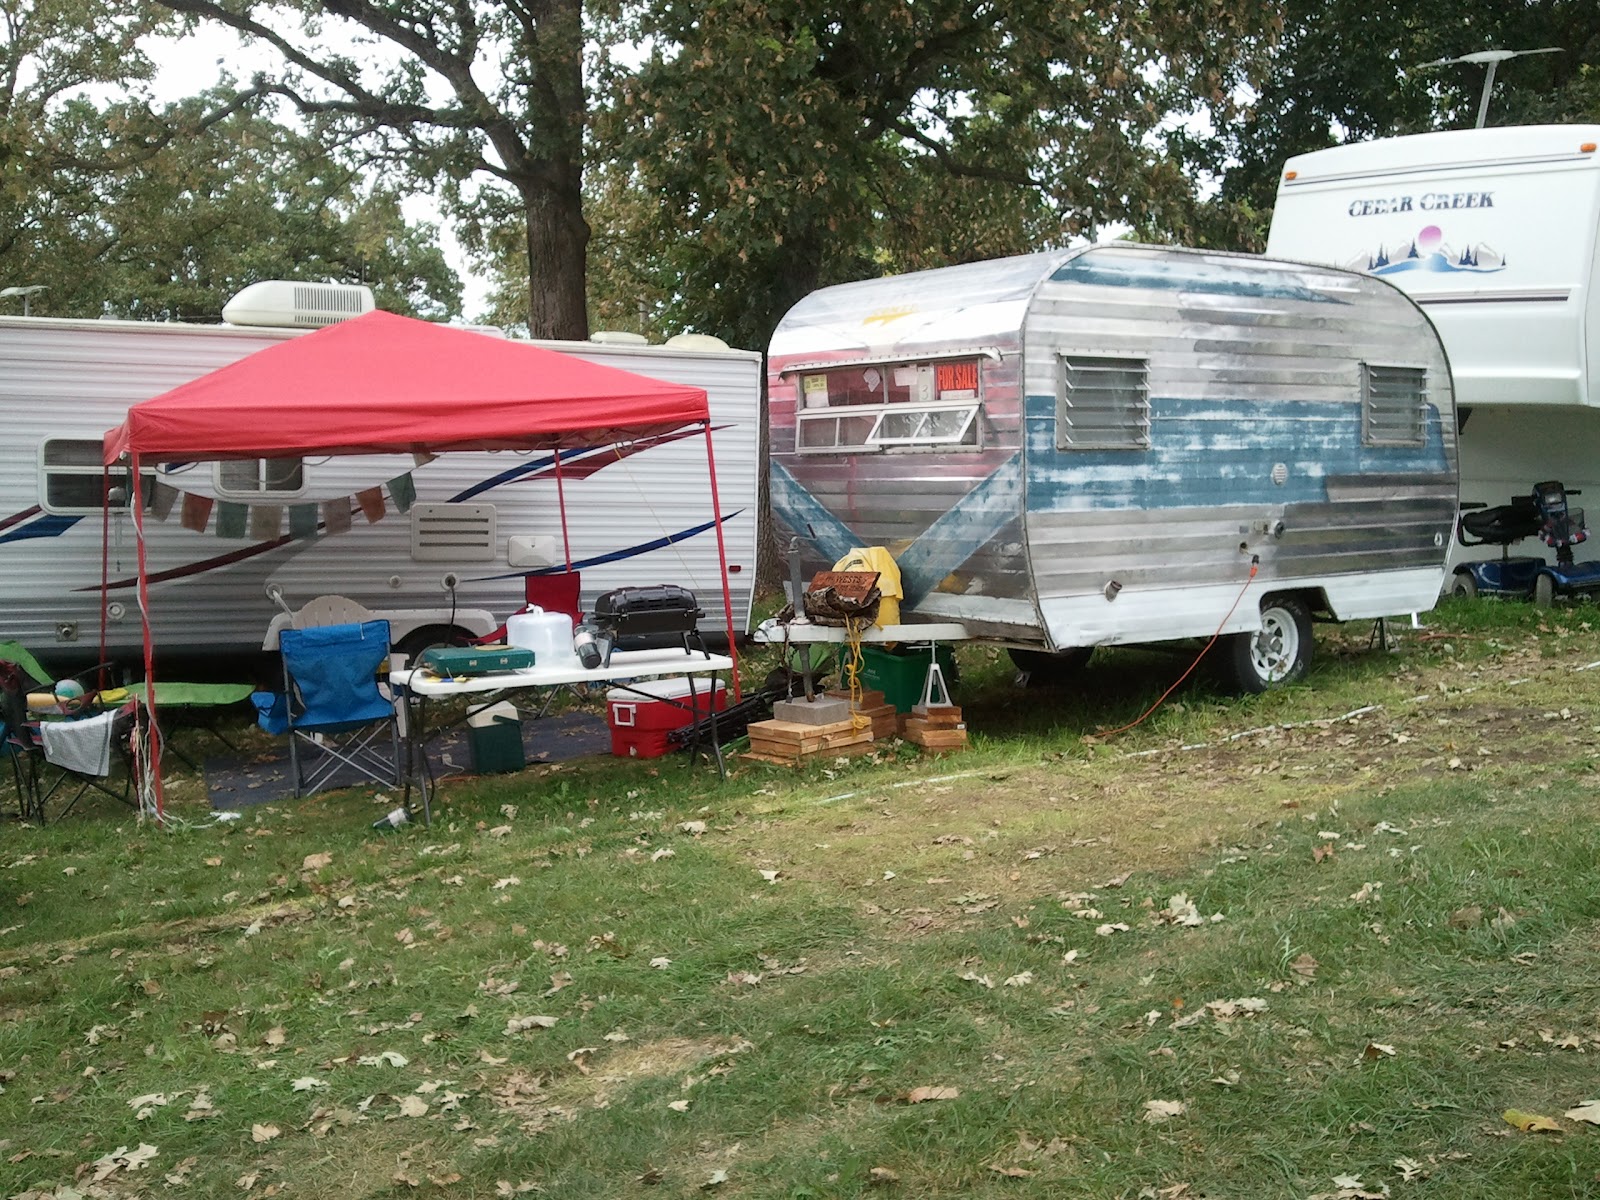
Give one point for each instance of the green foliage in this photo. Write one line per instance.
(121, 208)
(763, 150)
(1350, 70)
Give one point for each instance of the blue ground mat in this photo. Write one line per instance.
(239, 781)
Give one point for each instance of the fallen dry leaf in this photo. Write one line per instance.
(679, 1105)
(264, 1133)
(1156, 1111)
(1530, 1122)
(716, 1180)
(1588, 1111)
(923, 1094)
(315, 862)
(518, 1024)
(1377, 1050)
(882, 1176)
(413, 1106)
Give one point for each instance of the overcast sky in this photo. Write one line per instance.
(191, 64)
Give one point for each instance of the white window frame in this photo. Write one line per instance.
(263, 478)
(877, 441)
(119, 478)
(1096, 436)
(1395, 388)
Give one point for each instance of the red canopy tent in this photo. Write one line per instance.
(385, 384)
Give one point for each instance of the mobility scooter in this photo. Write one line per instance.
(1544, 514)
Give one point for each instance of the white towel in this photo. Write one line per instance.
(82, 746)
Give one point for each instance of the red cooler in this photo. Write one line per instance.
(641, 717)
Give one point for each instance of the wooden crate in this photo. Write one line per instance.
(786, 760)
(793, 742)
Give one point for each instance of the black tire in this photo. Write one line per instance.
(1278, 654)
(1464, 585)
(418, 640)
(1040, 667)
(1544, 590)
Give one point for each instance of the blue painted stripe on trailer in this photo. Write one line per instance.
(48, 526)
(1218, 452)
(961, 532)
(805, 515)
(1203, 276)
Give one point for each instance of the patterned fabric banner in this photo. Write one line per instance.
(303, 520)
(231, 519)
(196, 511)
(372, 506)
(162, 499)
(266, 521)
(336, 515)
(403, 492)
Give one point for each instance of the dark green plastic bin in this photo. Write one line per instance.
(900, 673)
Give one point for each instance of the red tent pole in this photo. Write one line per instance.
(722, 562)
(105, 564)
(149, 647)
(561, 498)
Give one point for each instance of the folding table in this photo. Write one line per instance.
(418, 687)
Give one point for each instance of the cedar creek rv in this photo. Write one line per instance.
(1493, 233)
(637, 512)
(1095, 447)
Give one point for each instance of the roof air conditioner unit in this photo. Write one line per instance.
(287, 304)
(695, 341)
(618, 337)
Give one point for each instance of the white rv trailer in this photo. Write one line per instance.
(1493, 233)
(637, 513)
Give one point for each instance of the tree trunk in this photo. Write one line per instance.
(558, 254)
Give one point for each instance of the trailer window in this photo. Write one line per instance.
(71, 478)
(1394, 405)
(880, 406)
(252, 477)
(1102, 403)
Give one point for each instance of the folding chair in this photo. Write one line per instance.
(330, 676)
(79, 743)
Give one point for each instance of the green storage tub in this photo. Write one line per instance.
(901, 673)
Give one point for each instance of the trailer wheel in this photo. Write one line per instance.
(418, 640)
(1464, 585)
(1041, 668)
(1544, 590)
(1278, 654)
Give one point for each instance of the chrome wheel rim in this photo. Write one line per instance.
(1275, 650)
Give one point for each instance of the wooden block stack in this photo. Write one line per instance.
(873, 706)
(937, 727)
(789, 743)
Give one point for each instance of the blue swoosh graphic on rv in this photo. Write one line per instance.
(579, 564)
(44, 527)
(1207, 277)
(805, 514)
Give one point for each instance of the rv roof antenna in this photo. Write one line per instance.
(26, 292)
(1493, 58)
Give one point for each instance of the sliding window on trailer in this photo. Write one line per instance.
(869, 408)
(72, 481)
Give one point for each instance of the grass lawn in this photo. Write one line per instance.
(1314, 943)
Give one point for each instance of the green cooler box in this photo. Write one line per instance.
(494, 737)
(900, 673)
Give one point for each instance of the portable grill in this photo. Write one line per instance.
(661, 614)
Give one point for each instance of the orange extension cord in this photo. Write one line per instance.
(1255, 565)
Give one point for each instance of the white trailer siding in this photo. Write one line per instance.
(76, 379)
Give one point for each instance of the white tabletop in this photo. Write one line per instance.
(803, 632)
(625, 664)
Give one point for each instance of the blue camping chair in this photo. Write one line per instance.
(337, 715)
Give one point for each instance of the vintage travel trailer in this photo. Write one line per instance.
(1123, 444)
(1494, 233)
(220, 533)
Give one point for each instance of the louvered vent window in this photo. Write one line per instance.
(1394, 405)
(1103, 404)
(452, 532)
(325, 305)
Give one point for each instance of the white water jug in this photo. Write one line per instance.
(547, 634)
